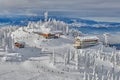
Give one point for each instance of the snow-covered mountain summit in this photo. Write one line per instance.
(44, 50)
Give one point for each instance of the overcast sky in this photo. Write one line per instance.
(88, 8)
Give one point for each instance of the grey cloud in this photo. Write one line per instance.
(88, 7)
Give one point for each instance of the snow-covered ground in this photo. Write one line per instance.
(55, 58)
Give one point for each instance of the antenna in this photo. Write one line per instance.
(46, 16)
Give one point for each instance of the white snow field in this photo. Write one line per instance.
(52, 58)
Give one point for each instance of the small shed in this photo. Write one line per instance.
(19, 44)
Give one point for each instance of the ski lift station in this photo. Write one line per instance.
(85, 41)
(50, 34)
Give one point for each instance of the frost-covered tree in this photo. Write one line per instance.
(53, 57)
(85, 76)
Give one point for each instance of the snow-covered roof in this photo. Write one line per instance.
(57, 31)
(82, 38)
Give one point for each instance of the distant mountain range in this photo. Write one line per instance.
(23, 21)
(83, 25)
